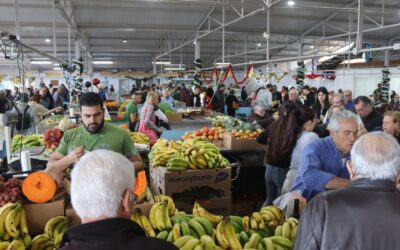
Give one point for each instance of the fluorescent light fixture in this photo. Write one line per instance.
(222, 64)
(259, 44)
(56, 64)
(162, 63)
(352, 61)
(172, 69)
(103, 62)
(343, 49)
(311, 46)
(124, 41)
(47, 40)
(291, 3)
(56, 68)
(41, 62)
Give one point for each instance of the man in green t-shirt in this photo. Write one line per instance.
(132, 112)
(91, 135)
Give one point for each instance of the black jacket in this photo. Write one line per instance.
(111, 234)
(363, 215)
(264, 121)
(218, 102)
(373, 122)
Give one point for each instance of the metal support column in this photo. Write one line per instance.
(268, 31)
(196, 49)
(360, 25)
(223, 35)
(387, 58)
(54, 30)
(17, 27)
(77, 49)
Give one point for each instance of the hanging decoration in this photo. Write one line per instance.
(299, 77)
(385, 84)
(73, 75)
(144, 79)
(197, 72)
(224, 75)
(329, 76)
(268, 76)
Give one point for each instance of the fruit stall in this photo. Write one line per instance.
(195, 191)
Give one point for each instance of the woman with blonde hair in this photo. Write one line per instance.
(391, 123)
(147, 124)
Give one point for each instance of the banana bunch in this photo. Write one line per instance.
(226, 236)
(288, 229)
(199, 211)
(14, 227)
(161, 159)
(175, 145)
(177, 163)
(201, 154)
(168, 200)
(255, 240)
(53, 233)
(140, 138)
(189, 242)
(143, 222)
(277, 242)
(254, 222)
(159, 216)
(26, 141)
(272, 216)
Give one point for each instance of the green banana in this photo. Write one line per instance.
(278, 230)
(286, 230)
(207, 242)
(268, 244)
(4, 245)
(163, 235)
(253, 241)
(243, 237)
(185, 228)
(208, 227)
(170, 237)
(285, 242)
(191, 244)
(182, 241)
(197, 227)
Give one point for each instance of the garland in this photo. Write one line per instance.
(330, 76)
(300, 75)
(267, 77)
(229, 70)
(385, 84)
(197, 72)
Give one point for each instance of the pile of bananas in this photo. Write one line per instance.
(139, 138)
(13, 227)
(53, 232)
(288, 229)
(193, 154)
(26, 141)
(204, 230)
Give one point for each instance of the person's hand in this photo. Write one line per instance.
(58, 110)
(76, 154)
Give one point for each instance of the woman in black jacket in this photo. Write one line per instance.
(321, 106)
(230, 99)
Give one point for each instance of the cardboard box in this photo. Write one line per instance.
(210, 185)
(230, 142)
(175, 117)
(72, 216)
(220, 206)
(146, 206)
(218, 143)
(39, 214)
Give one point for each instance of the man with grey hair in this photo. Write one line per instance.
(259, 114)
(363, 215)
(323, 163)
(101, 194)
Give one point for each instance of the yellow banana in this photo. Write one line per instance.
(167, 220)
(253, 241)
(246, 223)
(41, 241)
(147, 226)
(278, 231)
(286, 230)
(176, 231)
(4, 245)
(23, 224)
(231, 236)
(159, 217)
(12, 221)
(256, 216)
(253, 223)
(293, 233)
(207, 242)
(27, 241)
(191, 244)
(17, 245)
(182, 241)
(201, 212)
(152, 214)
(285, 242)
(4, 210)
(268, 244)
(221, 237)
(49, 227)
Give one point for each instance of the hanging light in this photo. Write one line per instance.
(291, 3)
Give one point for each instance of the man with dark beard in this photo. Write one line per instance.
(91, 135)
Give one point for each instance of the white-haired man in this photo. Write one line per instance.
(323, 163)
(363, 215)
(259, 114)
(101, 195)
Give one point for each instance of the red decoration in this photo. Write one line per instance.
(228, 70)
(95, 81)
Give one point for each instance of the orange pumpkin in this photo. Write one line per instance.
(39, 187)
(140, 184)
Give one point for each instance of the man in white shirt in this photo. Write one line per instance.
(265, 96)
